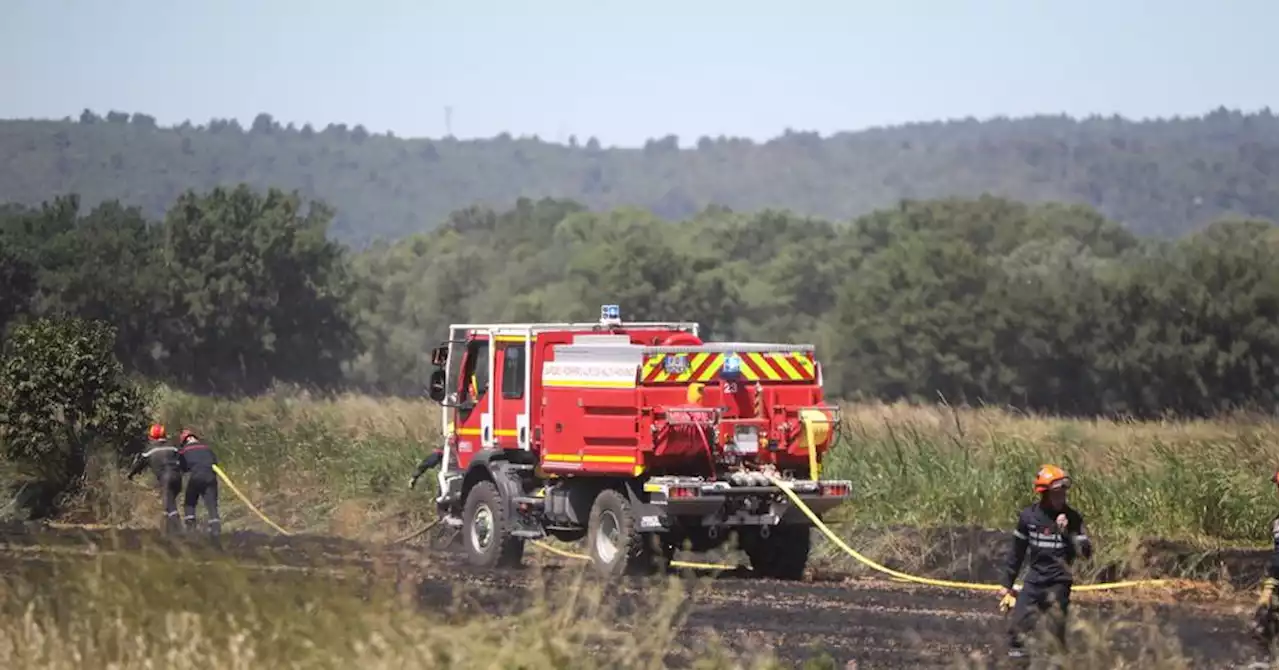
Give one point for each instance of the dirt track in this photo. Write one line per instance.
(879, 624)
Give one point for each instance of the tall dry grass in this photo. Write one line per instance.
(152, 609)
(1188, 480)
(342, 465)
(149, 610)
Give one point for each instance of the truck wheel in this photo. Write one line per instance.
(485, 531)
(615, 547)
(782, 555)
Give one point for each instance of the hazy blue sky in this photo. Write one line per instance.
(628, 71)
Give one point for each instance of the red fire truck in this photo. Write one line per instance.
(639, 437)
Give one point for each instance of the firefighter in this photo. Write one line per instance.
(431, 461)
(1265, 616)
(163, 460)
(197, 459)
(1054, 535)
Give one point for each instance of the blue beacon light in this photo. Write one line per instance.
(732, 368)
(610, 315)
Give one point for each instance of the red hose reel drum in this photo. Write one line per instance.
(682, 340)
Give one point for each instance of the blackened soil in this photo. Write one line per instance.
(876, 623)
(977, 555)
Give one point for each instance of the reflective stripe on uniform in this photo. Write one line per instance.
(1047, 541)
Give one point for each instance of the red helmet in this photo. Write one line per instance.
(1275, 479)
(156, 432)
(1051, 477)
(186, 434)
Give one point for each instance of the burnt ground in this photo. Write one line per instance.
(879, 624)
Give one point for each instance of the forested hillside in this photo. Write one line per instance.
(1165, 177)
(1048, 307)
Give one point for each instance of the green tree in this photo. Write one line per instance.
(1192, 324)
(17, 286)
(63, 397)
(258, 292)
(104, 266)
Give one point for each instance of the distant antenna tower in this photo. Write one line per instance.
(448, 121)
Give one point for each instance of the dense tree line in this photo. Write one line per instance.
(1163, 177)
(1042, 306)
(229, 291)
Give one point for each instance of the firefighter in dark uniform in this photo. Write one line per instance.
(431, 461)
(163, 460)
(197, 459)
(1265, 616)
(1053, 534)
(434, 459)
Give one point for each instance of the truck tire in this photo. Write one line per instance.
(486, 534)
(782, 555)
(616, 549)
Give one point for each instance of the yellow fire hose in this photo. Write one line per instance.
(938, 582)
(245, 499)
(795, 499)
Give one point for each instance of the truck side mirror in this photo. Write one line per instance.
(436, 390)
(440, 355)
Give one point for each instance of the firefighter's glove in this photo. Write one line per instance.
(1008, 601)
(1265, 593)
(413, 481)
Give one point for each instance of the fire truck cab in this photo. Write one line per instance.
(637, 436)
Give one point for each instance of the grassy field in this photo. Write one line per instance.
(1185, 480)
(144, 610)
(342, 465)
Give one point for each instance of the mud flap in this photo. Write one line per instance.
(649, 518)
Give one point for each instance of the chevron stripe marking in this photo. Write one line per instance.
(780, 362)
(763, 368)
(756, 367)
(805, 363)
(712, 368)
(695, 367)
(651, 368)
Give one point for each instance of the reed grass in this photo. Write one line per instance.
(340, 461)
(149, 609)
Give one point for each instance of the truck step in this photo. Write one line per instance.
(528, 534)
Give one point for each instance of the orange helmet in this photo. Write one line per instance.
(157, 431)
(1051, 477)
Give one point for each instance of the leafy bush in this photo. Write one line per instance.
(63, 397)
